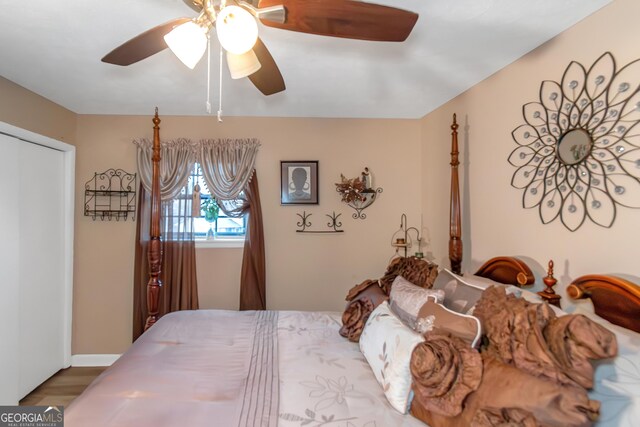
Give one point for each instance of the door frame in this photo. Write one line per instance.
(69, 156)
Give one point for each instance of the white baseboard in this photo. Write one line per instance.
(93, 359)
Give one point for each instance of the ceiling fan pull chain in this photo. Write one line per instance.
(208, 75)
(220, 84)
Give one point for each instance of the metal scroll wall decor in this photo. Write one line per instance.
(358, 193)
(578, 153)
(334, 224)
(111, 194)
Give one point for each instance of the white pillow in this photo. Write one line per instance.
(406, 299)
(387, 345)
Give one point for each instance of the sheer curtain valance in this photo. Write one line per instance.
(176, 163)
(227, 165)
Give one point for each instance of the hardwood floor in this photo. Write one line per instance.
(62, 388)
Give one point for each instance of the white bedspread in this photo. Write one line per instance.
(192, 368)
(193, 364)
(325, 380)
(215, 368)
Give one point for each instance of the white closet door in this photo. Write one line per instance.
(9, 220)
(41, 264)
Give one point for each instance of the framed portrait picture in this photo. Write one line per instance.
(299, 182)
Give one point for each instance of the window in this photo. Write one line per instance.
(208, 231)
(223, 227)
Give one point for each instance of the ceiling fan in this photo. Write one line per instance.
(237, 31)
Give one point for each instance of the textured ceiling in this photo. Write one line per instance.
(54, 48)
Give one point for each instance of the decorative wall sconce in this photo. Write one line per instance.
(401, 239)
(358, 192)
(578, 154)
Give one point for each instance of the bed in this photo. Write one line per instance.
(617, 382)
(292, 368)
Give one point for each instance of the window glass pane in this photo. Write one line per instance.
(223, 226)
(231, 226)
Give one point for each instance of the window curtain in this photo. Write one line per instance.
(227, 165)
(178, 275)
(228, 168)
(176, 163)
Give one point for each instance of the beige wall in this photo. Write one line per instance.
(27, 110)
(494, 221)
(304, 271)
(409, 159)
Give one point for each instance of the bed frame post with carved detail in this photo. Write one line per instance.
(455, 241)
(155, 244)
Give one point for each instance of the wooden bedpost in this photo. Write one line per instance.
(455, 242)
(155, 244)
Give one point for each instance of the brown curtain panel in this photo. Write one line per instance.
(178, 275)
(253, 277)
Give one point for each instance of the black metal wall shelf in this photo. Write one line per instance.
(111, 194)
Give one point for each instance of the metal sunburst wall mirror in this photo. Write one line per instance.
(578, 154)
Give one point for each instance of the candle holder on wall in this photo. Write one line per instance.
(358, 193)
(401, 239)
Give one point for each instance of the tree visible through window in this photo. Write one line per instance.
(207, 226)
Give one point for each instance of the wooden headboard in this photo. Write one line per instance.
(507, 270)
(613, 298)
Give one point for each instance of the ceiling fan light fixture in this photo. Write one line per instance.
(188, 42)
(237, 29)
(242, 65)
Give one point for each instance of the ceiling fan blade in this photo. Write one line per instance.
(268, 78)
(194, 4)
(345, 18)
(142, 46)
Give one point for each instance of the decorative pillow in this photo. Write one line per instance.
(462, 292)
(407, 298)
(363, 299)
(433, 316)
(387, 344)
(445, 370)
(459, 295)
(416, 270)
